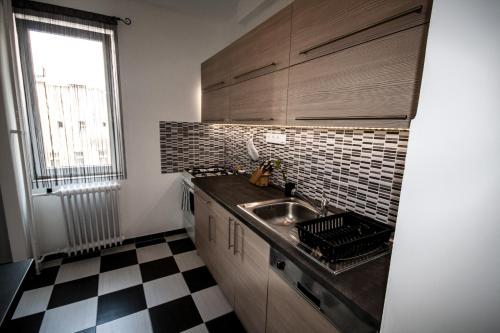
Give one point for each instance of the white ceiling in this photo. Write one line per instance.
(208, 9)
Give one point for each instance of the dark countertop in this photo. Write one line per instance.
(362, 288)
(11, 278)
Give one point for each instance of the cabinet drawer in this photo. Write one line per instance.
(375, 84)
(321, 27)
(261, 100)
(263, 50)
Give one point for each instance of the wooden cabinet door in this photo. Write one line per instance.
(261, 100)
(264, 49)
(215, 106)
(321, 27)
(288, 312)
(252, 255)
(216, 71)
(225, 270)
(375, 84)
(204, 228)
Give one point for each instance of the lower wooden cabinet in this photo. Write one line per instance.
(224, 268)
(288, 312)
(237, 258)
(252, 262)
(204, 230)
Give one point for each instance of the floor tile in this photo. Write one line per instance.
(158, 268)
(33, 301)
(118, 249)
(176, 316)
(120, 304)
(70, 318)
(148, 242)
(28, 324)
(88, 330)
(226, 323)
(197, 329)
(211, 303)
(134, 323)
(165, 289)
(73, 291)
(79, 257)
(119, 279)
(198, 279)
(118, 260)
(176, 237)
(78, 269)
(149, 237)
(52, 263)
(128, 241)
(174, 232)
(188, 260)
(181, 245)
(47, 277)
(153, 252)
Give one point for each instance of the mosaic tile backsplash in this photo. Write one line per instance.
(357, 169)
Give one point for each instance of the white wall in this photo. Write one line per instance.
(445, 272)
(160, 57)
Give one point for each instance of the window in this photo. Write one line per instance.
(79, 159)
(70, 86)
(54, 160)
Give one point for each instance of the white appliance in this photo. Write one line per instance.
(187, 200)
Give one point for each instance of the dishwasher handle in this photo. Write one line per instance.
(309, 295)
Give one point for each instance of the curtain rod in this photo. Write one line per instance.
(71, 12)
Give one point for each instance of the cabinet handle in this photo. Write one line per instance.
(229, 246)
(253, 119)
(209, 228)
(273, 64)
(416, 9)
(309, 295)
(214, 85)
(383, 117)
(235, 237)
(236, 242)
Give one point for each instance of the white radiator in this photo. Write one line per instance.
(91, 215)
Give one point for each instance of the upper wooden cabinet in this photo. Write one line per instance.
(215, 105)
(216, 71)
(261, 100)
(263, 50)
(355, 63)
(375, 84)
(321, 27)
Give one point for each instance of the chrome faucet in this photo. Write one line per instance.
(322, 206)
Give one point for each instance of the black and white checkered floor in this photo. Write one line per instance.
(158, 285)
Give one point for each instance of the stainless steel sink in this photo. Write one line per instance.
(281, 212)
